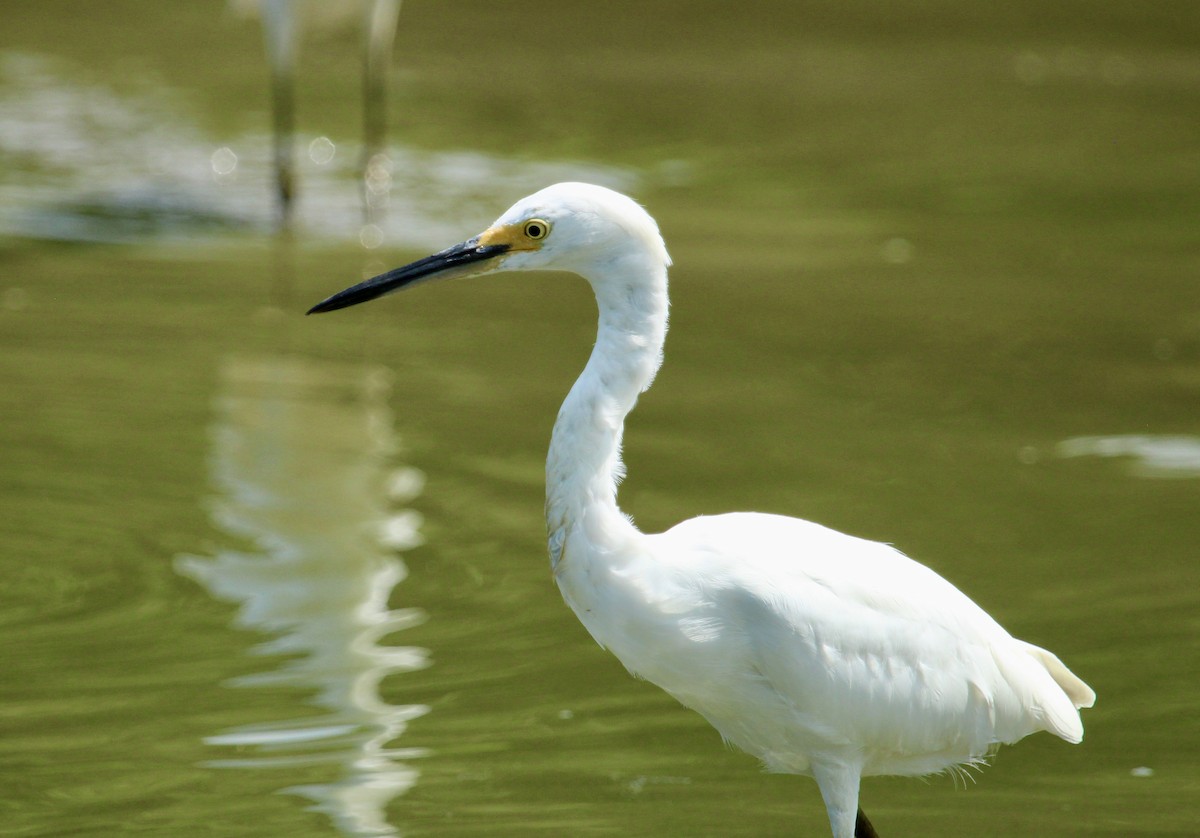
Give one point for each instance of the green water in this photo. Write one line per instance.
(268, 575)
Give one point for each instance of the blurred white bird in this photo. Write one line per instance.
(817, 652)
(282, 22)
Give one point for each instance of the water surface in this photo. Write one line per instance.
(935, 283)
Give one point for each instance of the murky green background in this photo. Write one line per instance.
(937, 283)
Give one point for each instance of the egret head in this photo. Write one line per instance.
(574, 227)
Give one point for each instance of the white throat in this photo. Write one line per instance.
(584, 465)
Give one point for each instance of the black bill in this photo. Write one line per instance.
(441, 264)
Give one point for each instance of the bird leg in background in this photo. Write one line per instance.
(279, 34)
(379, 37)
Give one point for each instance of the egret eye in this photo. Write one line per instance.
(536, 229)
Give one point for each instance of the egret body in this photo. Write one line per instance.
(817, 652)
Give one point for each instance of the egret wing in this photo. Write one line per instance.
(857, 644)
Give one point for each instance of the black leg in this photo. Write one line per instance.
(863, 828)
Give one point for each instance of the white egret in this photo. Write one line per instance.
(817, 652)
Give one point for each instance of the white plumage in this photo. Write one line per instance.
(817, 652)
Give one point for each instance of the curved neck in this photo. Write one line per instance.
(584, 466)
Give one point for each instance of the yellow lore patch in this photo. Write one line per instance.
(525, 235)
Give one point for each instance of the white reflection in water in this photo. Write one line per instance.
(1152, 456)
(303, 458)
